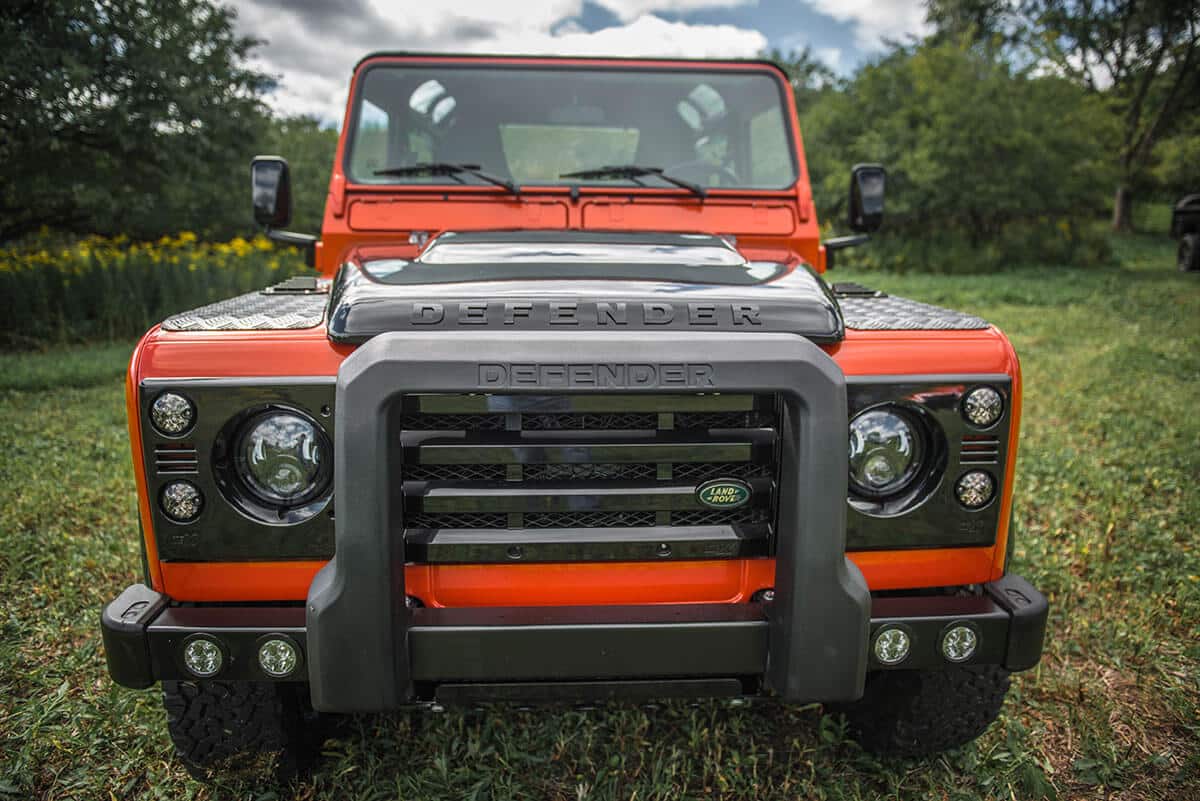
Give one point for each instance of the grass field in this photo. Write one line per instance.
(1107, 514)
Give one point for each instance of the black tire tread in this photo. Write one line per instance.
(1189, 253)
(209, 722)
(917, 713)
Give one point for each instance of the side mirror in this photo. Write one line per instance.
(272, 189)
(866, 197)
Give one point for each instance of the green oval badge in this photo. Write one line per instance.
(723, 493)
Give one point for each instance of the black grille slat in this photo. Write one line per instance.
(979, 451)
(176, 460)
(700, 472)
(455, 472)
(717, 517)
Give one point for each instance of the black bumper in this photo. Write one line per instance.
(576, 653)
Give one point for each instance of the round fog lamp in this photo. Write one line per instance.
(202, 657)
(892, 645)
(975, 489)
(181, 501)
(983, 406)
(172, 414)
(959, 643)
(278, 657)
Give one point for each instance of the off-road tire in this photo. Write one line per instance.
(1189, 253)
(916, 713)
(212, 721)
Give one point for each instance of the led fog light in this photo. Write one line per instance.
(959, 643)
(975, 489)
(172, 414)
(202, 656)
(181, 501)
(278, 657)
(892, 645)
(983, 406)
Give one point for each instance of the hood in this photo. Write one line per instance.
(580, 280)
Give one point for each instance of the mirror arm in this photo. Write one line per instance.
(306, 242)
(841, 243)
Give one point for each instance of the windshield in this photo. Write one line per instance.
(717, 128)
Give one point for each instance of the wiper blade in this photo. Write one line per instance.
(635, 171)
(452, 169)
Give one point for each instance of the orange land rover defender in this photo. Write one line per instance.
(565, 416)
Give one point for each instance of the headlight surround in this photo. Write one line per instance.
(887, 451)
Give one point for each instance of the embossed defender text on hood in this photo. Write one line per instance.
(563, 280)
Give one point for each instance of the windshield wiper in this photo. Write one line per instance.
(451, 169)
(635, 171)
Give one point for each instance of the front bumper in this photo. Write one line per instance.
(570, 653)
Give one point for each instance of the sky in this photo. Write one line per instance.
(311, 46)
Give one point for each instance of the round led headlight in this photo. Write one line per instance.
(975, 489)
(181, 501)
(885, 452)
(959, 642)
(172, 414)
(982, 407)
(282, 458)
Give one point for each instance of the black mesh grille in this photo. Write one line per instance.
(589, 520)
(455, 472)
(529, 462)
(452, 422)
(717, 517)
(706, 471)
(457, 520)
(588, 472)
(690, 420)
(592, 422)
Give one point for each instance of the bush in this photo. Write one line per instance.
(105, 289)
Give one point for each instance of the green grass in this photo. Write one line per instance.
(1106, 517)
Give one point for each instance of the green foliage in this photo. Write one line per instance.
(129, 116)
(113, 289)
(309, 149)
(984, 162)
(1177, 171)
(1106, 514)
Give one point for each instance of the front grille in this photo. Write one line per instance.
(524, 467)
(979, 449)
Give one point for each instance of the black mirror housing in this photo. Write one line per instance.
(867, 183)
(272, 190)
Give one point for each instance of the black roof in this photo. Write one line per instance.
(765, 62)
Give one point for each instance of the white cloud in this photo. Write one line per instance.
(830, 56)
(627, 10)
(875, 20)
(313, 46)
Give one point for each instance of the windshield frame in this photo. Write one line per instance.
(560, 63)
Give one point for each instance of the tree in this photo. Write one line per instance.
(309, 149)
(974, 147)
(809, 76)
(1141, 56)
(1144, 55)
(126, 115)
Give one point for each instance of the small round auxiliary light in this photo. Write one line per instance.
(202, 656)
(172, 414)
(975, 489)
(892, 644)
(181, 501)
(278, 657)
(764, 596)
(983, 406)
(959, 643)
